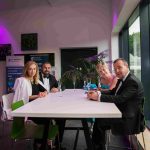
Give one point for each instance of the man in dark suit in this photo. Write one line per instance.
(128, 95)
(51, 85)
(48, 80)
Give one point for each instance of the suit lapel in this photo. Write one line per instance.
(118, 86)
(41, 78)
(49, 79)
(123, 83)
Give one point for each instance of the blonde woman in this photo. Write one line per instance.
(107, 79)
(29, 87)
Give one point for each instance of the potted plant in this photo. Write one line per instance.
(83, 70)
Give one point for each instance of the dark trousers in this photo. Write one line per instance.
(61, 126)
(40, 121)
(99, 132)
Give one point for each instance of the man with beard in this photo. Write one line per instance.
(48, 80)
(51, 85)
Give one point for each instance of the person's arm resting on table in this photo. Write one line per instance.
(94, 95)
(41, 94)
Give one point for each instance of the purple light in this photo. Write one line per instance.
(115, 18)
(116, 11)
(123, 1)
(5, 36)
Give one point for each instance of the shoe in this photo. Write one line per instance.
(50, 144)
(100, 148)
(61, 148)
(36, 146)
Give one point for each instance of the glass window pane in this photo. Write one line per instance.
(135, 48)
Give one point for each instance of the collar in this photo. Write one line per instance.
(125, 76)
(43, 76)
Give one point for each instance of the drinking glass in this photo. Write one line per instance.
(99, 83)
(74, 82)
(88, 83)
(84, 85)
(59, 87)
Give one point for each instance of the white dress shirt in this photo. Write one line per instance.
(46, 84)
(120, 84)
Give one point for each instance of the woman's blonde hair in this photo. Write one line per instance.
(25, 72)
(102, 65)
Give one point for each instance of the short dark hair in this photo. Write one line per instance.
(46, 63)
(122, 59)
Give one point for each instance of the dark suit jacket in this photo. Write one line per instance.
(129, 99)
(52, 80)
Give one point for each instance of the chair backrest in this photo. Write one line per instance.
(7, 100)
(18, 122)
(17, 104)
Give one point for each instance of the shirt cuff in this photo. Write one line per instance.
(99, 95)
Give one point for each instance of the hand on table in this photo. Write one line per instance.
(42, 94)
(54, 90)
(92, 95)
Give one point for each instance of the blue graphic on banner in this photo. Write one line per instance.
(11, 74)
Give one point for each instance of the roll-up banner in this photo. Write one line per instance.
(14, 69)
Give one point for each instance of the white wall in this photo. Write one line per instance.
(75, 23)
(114, 47)
(117, 6)
(67, 23)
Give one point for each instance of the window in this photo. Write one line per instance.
(135, 48)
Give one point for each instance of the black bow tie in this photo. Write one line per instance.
(120, 80)
(46, 76)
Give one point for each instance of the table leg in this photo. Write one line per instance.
(76, 139)
(87, 135)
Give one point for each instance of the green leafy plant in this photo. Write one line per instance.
(74, 74)
(84, 69)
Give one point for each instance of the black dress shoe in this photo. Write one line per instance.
(61, 148)
(36, 146)
(100, 148)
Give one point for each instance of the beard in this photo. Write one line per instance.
(46, 72)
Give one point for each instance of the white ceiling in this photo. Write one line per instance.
(125, 13)
(16, 4)
(129, 6)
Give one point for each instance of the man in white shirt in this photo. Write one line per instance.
(48, 80)
(51, 85)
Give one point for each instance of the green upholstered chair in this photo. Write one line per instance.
(27, 131)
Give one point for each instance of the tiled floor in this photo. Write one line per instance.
(68, 140)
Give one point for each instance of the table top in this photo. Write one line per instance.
(67, 104)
